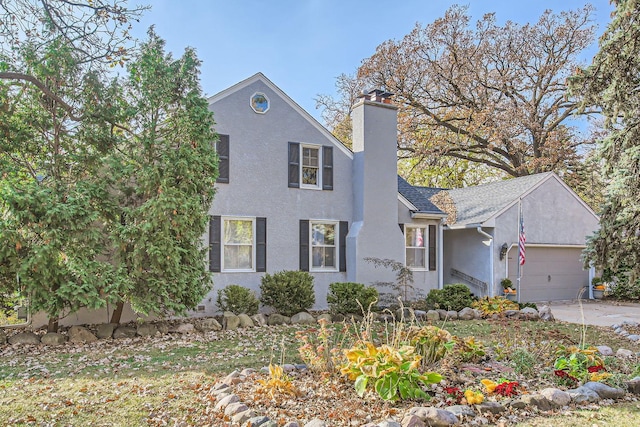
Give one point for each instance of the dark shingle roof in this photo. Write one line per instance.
(419, 196)
(475, 205)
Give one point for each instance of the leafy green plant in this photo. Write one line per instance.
(452, 297)
(289, 292)
(494, 305)
(392, 372)
(238, 299)
(506, 283)
(467, 349)
(578, 364)
(430, 342)
(523, 361)
(350, 298)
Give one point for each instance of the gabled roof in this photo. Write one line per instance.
(419, 196)
(262, 78)
(479, 204)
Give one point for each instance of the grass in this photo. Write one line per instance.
(164, 380)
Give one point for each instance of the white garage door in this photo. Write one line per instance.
(549, 273)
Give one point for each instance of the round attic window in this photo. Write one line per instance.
(259, 102)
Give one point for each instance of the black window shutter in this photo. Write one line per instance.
(261, 244)
(432, 248)
(294, 165)
(344, 229)
(327, 168)
(215, 247)
(401, 227)
(304, 245)
(222, 147)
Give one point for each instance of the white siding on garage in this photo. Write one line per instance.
(549, 273)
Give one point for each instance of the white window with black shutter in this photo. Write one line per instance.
(323, 245)
(237, 244)
(310, 166)
(420, 246)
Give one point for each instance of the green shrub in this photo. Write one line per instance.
(452, 297)
(343, 297)
(522, 305)
(289, 292)
(237, 299)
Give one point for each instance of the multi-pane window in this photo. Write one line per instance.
(323, 245)
(310, 166)
(238, 244)
(415, 247)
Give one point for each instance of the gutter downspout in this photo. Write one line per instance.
(491, 277)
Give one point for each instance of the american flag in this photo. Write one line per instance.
(419, 239)
(521, 240)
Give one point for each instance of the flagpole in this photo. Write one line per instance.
(519, 265)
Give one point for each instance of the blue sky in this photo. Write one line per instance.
(303, 45)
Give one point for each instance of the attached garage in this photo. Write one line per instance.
(550, 273)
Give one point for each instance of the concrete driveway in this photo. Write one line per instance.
(595, 312)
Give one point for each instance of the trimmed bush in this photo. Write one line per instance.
(452, 297)
(238, 300)
(343, 297)
(288, 292)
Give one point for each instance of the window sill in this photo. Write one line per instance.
(239, 271)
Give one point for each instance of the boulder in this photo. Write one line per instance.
(53, 338)
(124, 332)
(623, 352)
(545, 314)
(80, 334)
(442, 313)
(605, 391)
(583, 395)
(242, 417)
(278, 319)
(163, 327)
(492, 407)
(452, 315)
(558, 398)
(105, 330)
(605, 350)
(529, 313)
(434, 417)
(23, 338)
(408, 421)
(461, 410)
(316, 422)
(226, 401)
(230, 321)
(208, 324)
(235, 408)
(303, 318)
(146, 329)
(634, 385)
(433, 316)
(467, 313)
(326, 317)
(184, 328)
(537, 400)
(245, 321)
(258, 421)
(259, 319)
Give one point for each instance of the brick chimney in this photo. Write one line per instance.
(375, 232)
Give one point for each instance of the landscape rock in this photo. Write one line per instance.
(278, 319)
(230, 321)
(477, 314)
(605, 350)
(24, 338)
(235, 408)
(434, 417)
(291, 424)
(634, 385)
(623, 352)
(105, 330)
(492, 407)
(545, 314)
(326, 317)
(467, 313)
(124, 332)
(633, 337)
(537, 400)
(442, 313)
(408, 421)
(461, 410)
(163, 327)
(80, 334)
(245, 321)
(146, 329)
(529, 313)
(241, 417)
(259, 319)
(184, 328)
(512, 314)
(256, 421)
(558, 398)
(433, 316)
(420, 314)
(452, 315)
(406, 313)
(316, 423)
(582, 395)
(604, 391)
(208, 324)
(226, 401)
(303, 318)
(53, 338)
(233, 378)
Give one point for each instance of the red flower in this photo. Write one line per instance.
(564, 374)
(507, 389)
(597, 368)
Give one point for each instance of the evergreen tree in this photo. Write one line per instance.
(611, 83)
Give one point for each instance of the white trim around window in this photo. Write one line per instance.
(311, 166)
(416, 254)
(324, 245)
(238, 244)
